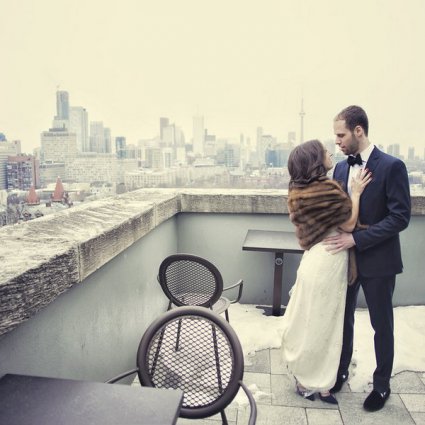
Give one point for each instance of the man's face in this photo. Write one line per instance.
(345, 139)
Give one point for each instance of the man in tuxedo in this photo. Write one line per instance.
(385, 211)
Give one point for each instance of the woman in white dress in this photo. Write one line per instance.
(313, 320)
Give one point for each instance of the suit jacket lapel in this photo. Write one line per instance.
(373, 160)
(342, 174)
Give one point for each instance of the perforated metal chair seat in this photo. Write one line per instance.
(221, 305)
(195, 350)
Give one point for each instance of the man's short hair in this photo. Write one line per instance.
(353, 116)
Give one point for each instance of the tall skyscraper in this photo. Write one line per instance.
(198, 135)
(163, 123)
(61, 119)
(179, 136)
(120, 147)
(108, 140)
(62, 105)
(169, 136)
(97, 137)
(78, 124)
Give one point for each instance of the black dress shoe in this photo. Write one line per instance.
(376, 400)
(340, 379)
(328, 398)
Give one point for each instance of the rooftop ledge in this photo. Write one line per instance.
(43, 258)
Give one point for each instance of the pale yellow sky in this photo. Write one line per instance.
(240, 63)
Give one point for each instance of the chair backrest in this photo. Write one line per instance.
(197, 351)
(187, 279)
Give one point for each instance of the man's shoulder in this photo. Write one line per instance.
(388, 159)
(381, 154)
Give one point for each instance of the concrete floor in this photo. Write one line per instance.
(278, 404)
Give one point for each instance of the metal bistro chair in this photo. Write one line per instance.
(195, 350)
(187, 279)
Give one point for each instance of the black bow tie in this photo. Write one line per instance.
(351, 160)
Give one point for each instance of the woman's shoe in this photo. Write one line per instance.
(329, 398)
(309, 395)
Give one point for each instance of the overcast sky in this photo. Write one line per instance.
(239, 63)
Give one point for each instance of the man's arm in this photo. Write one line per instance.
(397, 219)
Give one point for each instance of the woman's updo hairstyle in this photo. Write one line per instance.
(305, 163)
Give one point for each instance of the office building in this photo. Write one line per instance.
(394, 150)
(150, 178)
(62, 105)
(49, 172)
(6, 149)
(108, 140)
(22, 172)
(154, 158)
(229, 156)
(210, 145)
(58, 146)
(78, 124)
(92, 167)
(266, 142)
(125, 166)
(292, 137)
(198, 135)
(163, 123)
(120, 147)
(61, 119)
(179, 136)
(97, 137)
(168, 136)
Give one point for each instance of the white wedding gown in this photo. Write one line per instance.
(313, 320)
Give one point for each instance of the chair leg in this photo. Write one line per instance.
(178, 334)
(158, 348)
(226, 313)
(217, 360)
(223, 417)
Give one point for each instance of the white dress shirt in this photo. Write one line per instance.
(365, 154)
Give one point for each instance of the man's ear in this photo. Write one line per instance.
(358, 131)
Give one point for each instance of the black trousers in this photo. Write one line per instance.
(378, 293)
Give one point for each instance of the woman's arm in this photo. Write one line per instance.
(358, 183)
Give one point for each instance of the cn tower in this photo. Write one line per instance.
(302, 113)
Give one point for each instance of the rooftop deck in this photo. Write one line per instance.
(78, 289)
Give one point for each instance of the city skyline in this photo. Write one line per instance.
(239, 66)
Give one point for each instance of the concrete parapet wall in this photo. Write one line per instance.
(43, 258)
(236, 201)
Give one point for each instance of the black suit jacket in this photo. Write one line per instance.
(385, 207)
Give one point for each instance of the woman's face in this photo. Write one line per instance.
(327, 161)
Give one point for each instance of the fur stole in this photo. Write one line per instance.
(316, 208)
